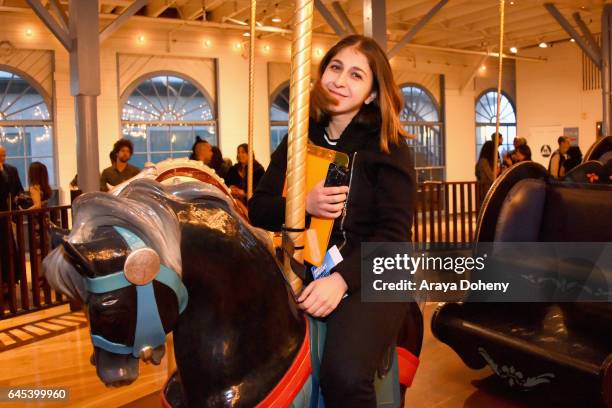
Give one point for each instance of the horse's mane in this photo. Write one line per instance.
(142, 207)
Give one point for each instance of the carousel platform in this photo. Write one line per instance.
(51, 348)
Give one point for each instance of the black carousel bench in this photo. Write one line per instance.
(563, 349)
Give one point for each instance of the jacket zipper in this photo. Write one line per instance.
(346, 204)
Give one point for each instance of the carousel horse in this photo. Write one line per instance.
(560, 347)
(171, 251)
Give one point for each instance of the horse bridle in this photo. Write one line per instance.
(149, 329)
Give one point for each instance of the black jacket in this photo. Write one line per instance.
(380, 203)
(233, 178)
(10, 186)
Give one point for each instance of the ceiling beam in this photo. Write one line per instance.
(348, 26)
(58, 31)
(415, 29)
(156, 7)
(60, 13)
(191, 10)
(593, 53)
(123, 17)
(586, 33)
(329, 18)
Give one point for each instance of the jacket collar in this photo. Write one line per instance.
(354, 138)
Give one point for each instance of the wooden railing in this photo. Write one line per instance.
(24, 243)
(446, 212)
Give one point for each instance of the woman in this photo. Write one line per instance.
(236, 178)
(484, 168)
(38, 179)
(523, 153)
(355, 107)
(218, 164)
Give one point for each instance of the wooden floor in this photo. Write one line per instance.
(63, 360)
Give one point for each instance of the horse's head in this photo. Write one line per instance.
(122, 259)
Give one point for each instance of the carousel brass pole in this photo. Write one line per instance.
(499, 84)
(295, 207)
(251, 97)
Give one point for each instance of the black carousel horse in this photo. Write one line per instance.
(180, 256)
(561, 348)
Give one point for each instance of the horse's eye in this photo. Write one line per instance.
(110, 301)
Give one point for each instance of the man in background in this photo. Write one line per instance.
(120, 170)
(555, 165)
(10, 184)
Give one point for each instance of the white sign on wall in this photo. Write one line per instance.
(541, 136)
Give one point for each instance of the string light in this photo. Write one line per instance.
(141, 39)
(238, 46)
(207, 43)
(266, 48)
(318, 52)
(29, 32)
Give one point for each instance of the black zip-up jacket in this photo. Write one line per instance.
(380, 203)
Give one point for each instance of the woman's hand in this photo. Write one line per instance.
(326, 202)
(237, 192)
(321, 297)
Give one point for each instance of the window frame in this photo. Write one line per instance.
(439, 124)
(161, 123)
(51, 122)
(507, 142)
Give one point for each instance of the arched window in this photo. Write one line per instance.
(421, 118)
(26, 127)
(162, 114)
(279, 116)
(486, 110)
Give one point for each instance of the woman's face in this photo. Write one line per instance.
(348, 78)
(242, 156)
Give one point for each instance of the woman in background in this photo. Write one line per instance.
(236, 178)
(218, 164)
(38, 179)
(484, 168)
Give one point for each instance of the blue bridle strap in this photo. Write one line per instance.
(149, 328)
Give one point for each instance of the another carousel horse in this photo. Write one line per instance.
(172, 251)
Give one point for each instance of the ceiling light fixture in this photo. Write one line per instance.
(513, 50)
(543, 45)
(29, 32)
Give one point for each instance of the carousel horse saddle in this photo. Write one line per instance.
(562, 348)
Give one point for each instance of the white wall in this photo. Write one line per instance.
(550, 95)
(547, 94)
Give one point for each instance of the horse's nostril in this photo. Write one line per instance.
(109, 302)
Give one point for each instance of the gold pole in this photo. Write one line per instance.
(295, 207)
(499, 83)
(251, 96)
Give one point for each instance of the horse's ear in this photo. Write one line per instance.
(80, 263)
(58, 235)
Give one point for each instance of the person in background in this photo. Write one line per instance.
(201, 151)
(38, 180)
(555, 165)
(218, 164)
(574, 158)
(510, 157)
(10, 190)
(10, 184)
(236, 178)
(120, 170)
(522, 153)
(484, 168)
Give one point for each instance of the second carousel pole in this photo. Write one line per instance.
(295, 207)
(499, 85)
(251, 97)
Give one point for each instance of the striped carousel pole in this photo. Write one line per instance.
(499, 84)
(295, 206)
(251, 96)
